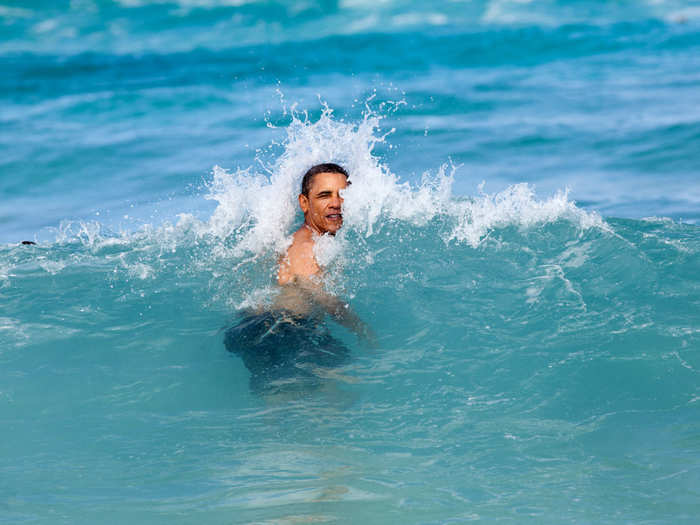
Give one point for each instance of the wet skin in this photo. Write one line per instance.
(323, 206)
(322, 209)
(299, 275)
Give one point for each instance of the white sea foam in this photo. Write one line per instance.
(14, 12)
(5, 269)
(259, 209)
(518, 206)
(686, 14)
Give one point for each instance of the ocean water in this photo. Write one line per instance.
(521, 236)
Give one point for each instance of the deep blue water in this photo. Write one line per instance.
(521, 235)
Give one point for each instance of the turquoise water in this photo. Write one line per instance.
(521, 235)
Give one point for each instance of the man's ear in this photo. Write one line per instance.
(303, 203)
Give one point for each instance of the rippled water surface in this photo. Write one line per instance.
(520, 235)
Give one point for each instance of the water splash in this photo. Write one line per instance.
(237, 248)
(259, 209)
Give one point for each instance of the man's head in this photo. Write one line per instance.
(320, 198)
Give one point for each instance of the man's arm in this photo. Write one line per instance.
(299, 268)
(340, 311)
(343, 314)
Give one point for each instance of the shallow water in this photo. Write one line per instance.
(536, 354)
(548, 373)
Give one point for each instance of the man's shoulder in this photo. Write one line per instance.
(302, 246)
(299, 260)
(302, 240)
(303, 234)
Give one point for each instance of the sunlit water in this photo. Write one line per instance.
(536, 355)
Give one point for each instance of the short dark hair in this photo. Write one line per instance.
(328, 167)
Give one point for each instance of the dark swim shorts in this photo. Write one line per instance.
(281, 351)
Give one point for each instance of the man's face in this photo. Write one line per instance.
(322, 208)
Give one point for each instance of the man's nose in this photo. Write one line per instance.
(336, 201)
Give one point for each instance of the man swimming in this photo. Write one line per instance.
(299, 273)
(321, 203)
(289, 346)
